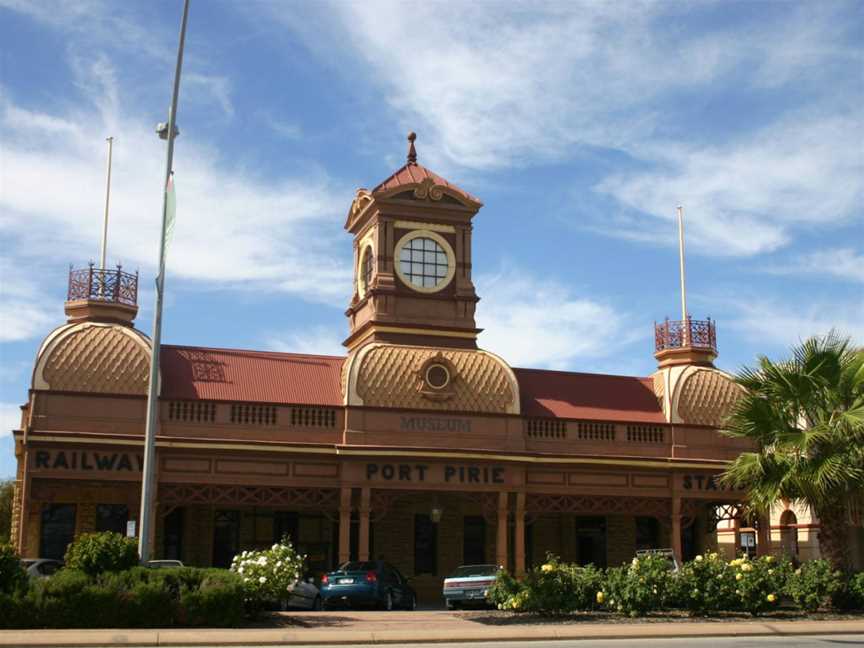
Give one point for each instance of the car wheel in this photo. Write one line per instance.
(317, 604)
(452, 605)
(388, 602)
(412, 603)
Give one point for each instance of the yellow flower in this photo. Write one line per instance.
(746, 568)
(601, 597)
(771, 598)
(769, 559)
(548, 567)
(738, 577)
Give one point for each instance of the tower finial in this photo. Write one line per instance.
(412, 152)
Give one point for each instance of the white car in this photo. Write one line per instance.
(304, 595)
(41, 567)
(469, 584)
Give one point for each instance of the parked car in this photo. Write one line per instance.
(41, 567)
(304, 595)
(668, 554)
(469, 584)
(163, 564)
(371, 583)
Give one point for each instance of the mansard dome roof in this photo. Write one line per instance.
(391, 375)
(706, 396)
(94, 357)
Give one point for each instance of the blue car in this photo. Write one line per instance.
(375, 583)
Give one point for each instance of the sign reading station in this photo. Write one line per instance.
(448, 474)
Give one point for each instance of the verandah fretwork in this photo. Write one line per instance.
(319, 499)
(601, 505)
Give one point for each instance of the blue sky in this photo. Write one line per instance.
(581, 126)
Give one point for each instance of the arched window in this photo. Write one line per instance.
(366, 269)
(789, 533)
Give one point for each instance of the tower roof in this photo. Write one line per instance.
(413, 175)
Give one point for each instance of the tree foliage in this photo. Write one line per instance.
(806, 418)
(7, 489)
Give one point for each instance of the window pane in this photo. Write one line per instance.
(441, 258)
(405, 254)
(429, 257)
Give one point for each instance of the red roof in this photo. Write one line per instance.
(413, 173)
(598, 397)
(192, 373)
(250, 376)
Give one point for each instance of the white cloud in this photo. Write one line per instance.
(842, 263)
(24, 310)
(771, 323)
(745, 198)
(233, 226)
(10, 418)
(317, 340)
(537, 322)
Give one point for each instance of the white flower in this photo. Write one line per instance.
(262, 580)
(699, 558)
(275, 547)
(240, 570)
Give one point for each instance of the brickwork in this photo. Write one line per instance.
(85, 518)
(32, 530)
(547, 536)
(198, 536)
(620, 539)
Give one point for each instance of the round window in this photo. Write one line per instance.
(437, 376)
(423, 263)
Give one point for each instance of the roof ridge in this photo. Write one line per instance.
(579, 373)
(252, 351)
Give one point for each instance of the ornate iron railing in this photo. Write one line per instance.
(698, 334)
(113, 286)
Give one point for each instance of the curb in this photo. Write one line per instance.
(268, 637)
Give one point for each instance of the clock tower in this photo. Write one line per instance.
(412, 261)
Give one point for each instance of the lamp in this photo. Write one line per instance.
(436, 512)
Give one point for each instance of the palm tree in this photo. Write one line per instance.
(805, 416)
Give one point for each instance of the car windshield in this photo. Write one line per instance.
(474, 570)
(359, 566)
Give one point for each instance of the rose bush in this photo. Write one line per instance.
(705, 585)
(759, 583)
(12, 574)
(269, 574)
(640, 587)
(814, 584)
(552, 588)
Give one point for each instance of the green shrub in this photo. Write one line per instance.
(705, 585)
(814, 584)
(851, 594)
(642, 586)
(12, 575)
(759, 583)
(217, 602)
(94, 553)
(137, 597)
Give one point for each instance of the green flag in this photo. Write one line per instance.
(170, 210)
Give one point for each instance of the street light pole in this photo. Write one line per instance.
(149, 469)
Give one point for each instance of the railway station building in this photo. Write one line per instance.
(416, 446)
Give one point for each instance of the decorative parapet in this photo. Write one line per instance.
(109, 286)
(685, 334)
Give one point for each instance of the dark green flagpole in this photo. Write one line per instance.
(149, 471)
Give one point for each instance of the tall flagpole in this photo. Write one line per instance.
(149, 470)
(684, 324)
(110, 141)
